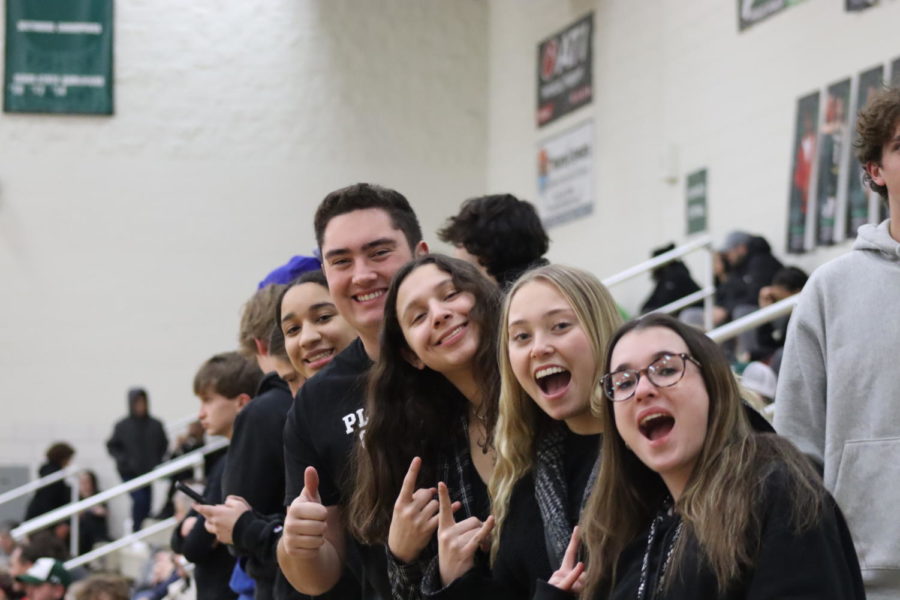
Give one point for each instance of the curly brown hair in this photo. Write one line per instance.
(875, 125)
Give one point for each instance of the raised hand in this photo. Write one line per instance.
(220, 518)
(570, 575)
(304, 523)
(415, 516)
(457, 542)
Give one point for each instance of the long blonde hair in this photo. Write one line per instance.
(720, 503)
(520, 422)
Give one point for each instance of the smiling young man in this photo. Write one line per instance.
(365, 234)
(838, 388)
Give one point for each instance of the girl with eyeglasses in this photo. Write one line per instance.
(554, 327)
(689, 501)
(431, 410)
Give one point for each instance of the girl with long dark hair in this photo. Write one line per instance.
(431, 410)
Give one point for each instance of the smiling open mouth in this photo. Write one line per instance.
(552, 379)
(368, 297)
(656, 426)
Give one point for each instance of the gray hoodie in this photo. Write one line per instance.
(838, 395)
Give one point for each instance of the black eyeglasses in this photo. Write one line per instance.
(665, 371)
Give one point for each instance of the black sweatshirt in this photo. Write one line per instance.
(213, 563)
(818, 564)
(522, 556)
(322, 429)
(255, 472)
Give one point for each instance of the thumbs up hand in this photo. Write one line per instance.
(457, 542)
(304, 523)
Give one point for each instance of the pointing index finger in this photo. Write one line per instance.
(445, 511)
(409, 480)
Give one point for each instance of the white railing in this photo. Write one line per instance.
(70, 511)
(753, 320)
(122, 542)
(37, 484)
(705, 293)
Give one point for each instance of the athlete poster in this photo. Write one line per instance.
(566, 175)
(802, 171)
(59, 56)
(859, 197)
(564, 71)
(833, 145)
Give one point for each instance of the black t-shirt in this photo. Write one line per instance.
(321, 431)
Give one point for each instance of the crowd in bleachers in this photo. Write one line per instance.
(410, 425)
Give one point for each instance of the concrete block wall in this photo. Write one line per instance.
(129, 243)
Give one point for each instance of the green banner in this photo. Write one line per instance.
(696, 202)
(59, 56)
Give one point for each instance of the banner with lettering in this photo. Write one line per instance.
(564, 71)
(59, 56)
(696, 202)
(566, 175)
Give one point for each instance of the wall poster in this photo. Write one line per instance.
(859, 201)
(801, 174)
(59, 56)
(565, 71)
(566, 175)
(833, 139)
(696, 202)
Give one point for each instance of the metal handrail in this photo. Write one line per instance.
(173, 466)
(705, 293)
(37, 484)
(754, 319)
(121, 543)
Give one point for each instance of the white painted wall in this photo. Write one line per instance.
(675, 77)
(128, 244)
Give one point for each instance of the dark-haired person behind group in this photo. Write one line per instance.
(365, 234)
(92, 523)
(431, 408)
(690, 502)
(500, 234)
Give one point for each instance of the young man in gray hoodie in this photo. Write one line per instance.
(838, 395)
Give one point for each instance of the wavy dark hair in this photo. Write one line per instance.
(505, 233)
(411, 411)
(721, 503)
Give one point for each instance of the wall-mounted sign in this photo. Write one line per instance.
(751, 12)
(802, 181)
(566, 175)
(59, 56)
(696, 202)
(564, 71)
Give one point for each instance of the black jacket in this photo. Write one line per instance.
(744, 281)
(819, 563)
(673, 282)
(137, 444)
(50, 496)
(213, 563)
(522, 557)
